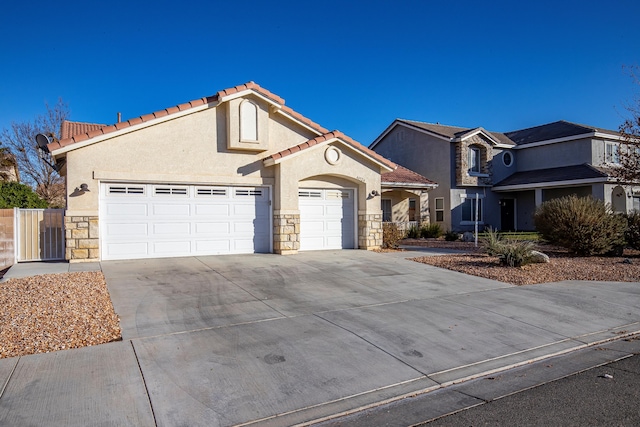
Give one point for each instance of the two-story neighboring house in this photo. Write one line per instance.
(498, 178)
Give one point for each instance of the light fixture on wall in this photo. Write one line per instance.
(374, 193)
(79, 191)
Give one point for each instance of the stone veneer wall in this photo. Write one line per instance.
(369, 231)
(83, 238)
(462, 166)
(286, 233)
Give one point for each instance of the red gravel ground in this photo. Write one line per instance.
(562, 265)
(55, 312)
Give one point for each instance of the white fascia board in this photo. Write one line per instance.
(571, 183)
(568, 138)
(128, 129)
(476, 132)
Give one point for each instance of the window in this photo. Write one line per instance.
(386, 210)
(474, 160)
(612, 155)
(507, 158)
(248, 121)
(439, 209)
(469, 209)
(636, 203)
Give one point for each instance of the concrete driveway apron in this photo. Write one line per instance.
(281, 340)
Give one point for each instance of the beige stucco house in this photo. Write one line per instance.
(237, 172)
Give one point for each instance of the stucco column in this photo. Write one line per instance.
(538, 196)
(425, 215)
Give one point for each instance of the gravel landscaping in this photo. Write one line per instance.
(55, 312)
(562, 266)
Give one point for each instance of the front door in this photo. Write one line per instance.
(507, 214)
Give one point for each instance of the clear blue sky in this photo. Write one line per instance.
(352, 66)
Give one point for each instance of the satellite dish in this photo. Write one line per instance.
(42, 141)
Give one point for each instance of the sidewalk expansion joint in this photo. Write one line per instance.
(4, 387)
(144, 382)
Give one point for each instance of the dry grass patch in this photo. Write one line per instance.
(55, 312)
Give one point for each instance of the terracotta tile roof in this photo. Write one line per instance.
(403, 175)
(326, 137)
(68, 128)
(98, 130)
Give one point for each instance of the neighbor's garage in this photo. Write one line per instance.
(154, 220)
(327, 219)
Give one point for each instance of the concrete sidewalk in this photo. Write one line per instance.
(27, 269)
(273, 340)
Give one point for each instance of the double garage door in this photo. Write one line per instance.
(154, 220)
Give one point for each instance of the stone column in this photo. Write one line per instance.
(82, 238)
(286, 232)
(369, 230)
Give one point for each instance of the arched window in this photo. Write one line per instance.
(248, 121)
(473, 160)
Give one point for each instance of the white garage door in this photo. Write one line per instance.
(153, 221)
(327, 219)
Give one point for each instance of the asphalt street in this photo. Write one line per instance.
(605, 395)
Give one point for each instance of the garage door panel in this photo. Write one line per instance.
(171, 247)
(121, 229)
(212, 228)
(183, 220)
(212, 210)
(126, 210)
(213, 247)
(127, 249)
(183, 228)
(170, 209)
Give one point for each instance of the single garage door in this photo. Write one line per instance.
(153, 221)
(327, 219)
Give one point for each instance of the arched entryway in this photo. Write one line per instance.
(618, 199)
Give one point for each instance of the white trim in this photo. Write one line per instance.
(152, 178)
(246, 92)
(572, 183)
(475, 132)
(568, 138)
(131, 128)
(513, 159)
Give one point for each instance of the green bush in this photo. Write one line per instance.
(585, 226)
(16, 195)
(431, 230)
(413, 232)
(451, 236)
(512, 253)
(632, 234)
(391, 235)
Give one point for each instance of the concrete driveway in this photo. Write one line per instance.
(281, 340)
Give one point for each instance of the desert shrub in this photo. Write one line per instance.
(451, 236)
(431, 230)
(413, 232)
(632, 234)
(391, 235)
(512, 253)
(585, 226)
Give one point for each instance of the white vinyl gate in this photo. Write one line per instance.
(39, 234)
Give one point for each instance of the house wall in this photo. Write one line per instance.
(204, 147)
(554, 155)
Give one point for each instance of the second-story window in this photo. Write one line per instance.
(474, 160)
(612, 155)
